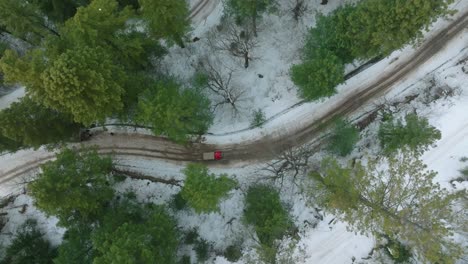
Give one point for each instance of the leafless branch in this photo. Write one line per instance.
(290, 163)
(219, 81)
(239, 42)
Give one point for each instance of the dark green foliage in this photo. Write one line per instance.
(364, 30)
(173, 111)
(416, 133)
(464, 171)
(166, 18)
(29, 246)
(202, 248)
(60, 10)
(24, 20)
(266, 213)
(329, 34)
(317, 77)
(233, 253)
(248, 10)
(178, 202)
(77, 247)
(373, 27)
(343, 138)
(85, 83)
(7, 144)
(397, 251)
(191, 237)
(185, 260)
(74, 187)
(203, 190)
(133, 233)
(258, 118)
(3, 47)
(31, 124)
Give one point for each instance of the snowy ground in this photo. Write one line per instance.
(326, 243)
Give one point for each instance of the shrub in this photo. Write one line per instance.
(202, 190)
(185, 260)
(233, 253)
(317, 77)
(202, 248)
(343, 139)
(191, 237)
(258, 118)
(178, 202)
(397, 252)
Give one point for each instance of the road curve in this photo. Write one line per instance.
(261, 149)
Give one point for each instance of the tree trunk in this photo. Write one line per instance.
(246, 59)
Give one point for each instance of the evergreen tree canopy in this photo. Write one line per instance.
(76, 247)
(74, 187)
(395, 197)
(85, 83)
(417, 134)
(248, 9)
(24, 20)
(29, 246)
(60, 10)
(132, 233)
(166, 18)
(343, 138)
(34, 125)
(271, 221)
(202, 190)
(318, 77)
(174, 112)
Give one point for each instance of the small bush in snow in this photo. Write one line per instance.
(258, 118)
(233, 253)
(191, 237)
(343, 138)
(202, 248)
(178, 202)
(397, 251)
(185, 260)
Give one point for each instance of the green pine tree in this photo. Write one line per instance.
(34, 125)
(317, 77)
(416, 133)
(74, 187)
(399, 200)
(174, 112)
(249, 9)
(203, 190)
(85, 83)
(167, 19)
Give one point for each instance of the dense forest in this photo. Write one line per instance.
(85, 62)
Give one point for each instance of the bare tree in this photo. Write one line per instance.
(291, 163)
(219, 81)
(298, 8)
(237, 41)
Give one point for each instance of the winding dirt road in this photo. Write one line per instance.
(255, 150)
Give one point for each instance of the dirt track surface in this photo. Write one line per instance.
(257, 150)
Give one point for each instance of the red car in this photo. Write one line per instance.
(215, 155)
